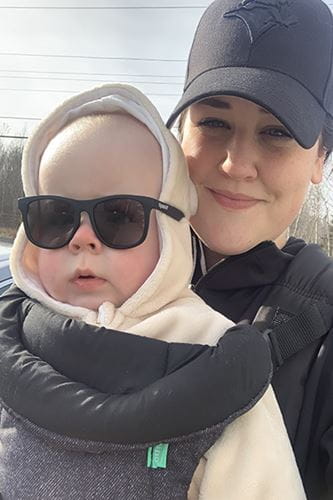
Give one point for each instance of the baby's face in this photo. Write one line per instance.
(118, 156)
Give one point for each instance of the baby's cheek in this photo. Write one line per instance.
(50, 272)
(30, 259)
(133, 271)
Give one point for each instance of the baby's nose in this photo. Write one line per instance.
(85, 237)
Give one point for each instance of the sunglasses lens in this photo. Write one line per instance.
(120, 222)
(50, 222)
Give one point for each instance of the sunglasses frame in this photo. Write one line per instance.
(88, 206)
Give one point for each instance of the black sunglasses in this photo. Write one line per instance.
(119, 221)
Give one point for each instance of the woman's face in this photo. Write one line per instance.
(251, 175)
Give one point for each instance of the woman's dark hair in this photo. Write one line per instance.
(326, 135)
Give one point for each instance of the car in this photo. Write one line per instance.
(5, 275)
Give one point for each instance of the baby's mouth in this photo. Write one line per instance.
(84, 274)
(86, 279)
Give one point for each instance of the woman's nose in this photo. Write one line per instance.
(85, 238)
(240, 160)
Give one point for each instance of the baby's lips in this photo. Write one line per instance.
(84, 274)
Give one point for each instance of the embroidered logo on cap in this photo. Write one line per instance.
(259, 16)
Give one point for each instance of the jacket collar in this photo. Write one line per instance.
(261, 265)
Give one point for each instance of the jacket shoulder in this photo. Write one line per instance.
(306, 281)
(310, 273)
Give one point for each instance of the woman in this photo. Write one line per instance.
(256, 128)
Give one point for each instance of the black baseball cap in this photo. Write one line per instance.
(276, 53)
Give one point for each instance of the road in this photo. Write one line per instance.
(4, 248)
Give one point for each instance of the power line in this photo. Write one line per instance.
(18, 118)
(69, 56)
(13, 137)
(64, 91)
(142, 75)
(138, 7)
(85, 80)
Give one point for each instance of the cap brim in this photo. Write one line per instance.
(281, 95)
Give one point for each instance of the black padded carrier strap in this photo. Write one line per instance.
(213, 385)
(300, 331)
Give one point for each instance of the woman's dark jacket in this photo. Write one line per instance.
(269, 286)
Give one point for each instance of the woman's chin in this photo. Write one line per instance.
(230, 247)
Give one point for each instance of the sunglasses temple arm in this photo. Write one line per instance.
(170, 210)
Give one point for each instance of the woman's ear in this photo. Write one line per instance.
(318, 168)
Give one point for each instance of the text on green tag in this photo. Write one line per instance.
(157, 456)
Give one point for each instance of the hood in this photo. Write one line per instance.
(173, 270)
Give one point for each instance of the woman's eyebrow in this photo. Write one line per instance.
(214, 103)
(218, 103)
(263, 110)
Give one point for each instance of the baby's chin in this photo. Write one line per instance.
(87, 302)
(87, 293)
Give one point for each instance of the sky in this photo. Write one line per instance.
(52, 49)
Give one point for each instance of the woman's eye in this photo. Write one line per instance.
(278, 133)
(212, 127)
(212, 123)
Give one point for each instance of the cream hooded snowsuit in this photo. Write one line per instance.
(253, 459)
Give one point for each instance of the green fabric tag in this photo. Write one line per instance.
(157, 456)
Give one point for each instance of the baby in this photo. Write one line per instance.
(108, 386)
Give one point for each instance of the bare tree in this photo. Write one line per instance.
(314, 223)
(10, 186)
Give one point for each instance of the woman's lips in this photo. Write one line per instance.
(234, 201)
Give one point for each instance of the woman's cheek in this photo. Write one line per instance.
(193, 170)
(198, 165)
